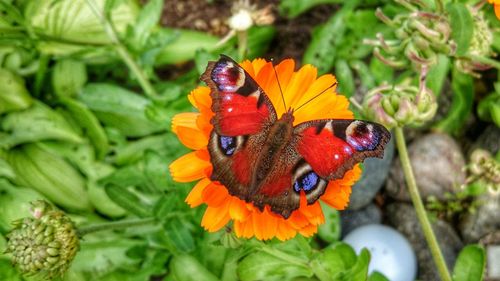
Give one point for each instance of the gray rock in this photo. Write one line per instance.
(403, 217)
(488, 140)
(437, 165)
(484, 220)
(351, 219)
(493, 260)
(375, 171)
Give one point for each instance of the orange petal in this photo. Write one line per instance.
(497, 10)
(257, 65)
(190, 167)
(285, 232)
(192, 138)
(200, 98)
(265, 225)
(186, 119)
(300, 82)
(194, 198)
(297, 220)
(309, 230)
(238, 210)
(244, 228)
(215, 217)
(215, 195)
(313, 213)
(337, 195)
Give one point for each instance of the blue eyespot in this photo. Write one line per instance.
(227, 144)
(306, 182)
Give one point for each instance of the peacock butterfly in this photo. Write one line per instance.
(267, 161)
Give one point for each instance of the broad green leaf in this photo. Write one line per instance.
(344, 75)
(101, 201)
(75, 21)
(86, 119)
(381, 72)
(360, 270)
(462, 86)
(470, 264)
(187, 268)
(293, 8)
(489, 107)
(134, 150)
(148, 17)
(201, 59)
(184, 48)
(179, 235)
(330, 230)
(164, 206)
(264, 266)
(333, 262)
(128, 200)
(6, 170)
(322, 50)
(39, 122)
(437, 74)
(364, 74)
(119, 108)
(156, 171)
(462, 26)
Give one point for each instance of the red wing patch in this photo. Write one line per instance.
(240, 106)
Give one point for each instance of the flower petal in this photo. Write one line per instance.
(192, 138)
(186, 119)
(200, 99)
(215, 217)
(194, 198)
(238, 209)
(215, 195)
(300, 82)
(313, 213)
(190, 167)
(285, 232)
(309, 230)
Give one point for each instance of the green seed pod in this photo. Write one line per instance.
(49, 253)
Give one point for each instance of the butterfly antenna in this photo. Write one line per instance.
(311, 99)
(279, 85)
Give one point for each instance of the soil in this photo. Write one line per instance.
(293, 35)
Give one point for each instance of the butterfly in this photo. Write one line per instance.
(266, 160)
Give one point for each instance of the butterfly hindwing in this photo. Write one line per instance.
(241, 107)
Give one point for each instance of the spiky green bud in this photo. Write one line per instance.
(44, 244)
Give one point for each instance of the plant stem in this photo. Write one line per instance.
(82, 231)
(419, 206)
(123, 52)
(485, 60)
(242, 44)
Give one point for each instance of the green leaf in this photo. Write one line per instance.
(259, 38)
(7, 271)
(264, 266)
(489, 107)
(6, 170)
(333, 262)
(179, 235)
(128, 200)
(187, 268)
(68, 77)
(330, 230)
(470, 264)
(381, 72)
(86, 119)
(119, 108)
(437, 74)
(184, 48)
(377, 276)
(39, 122)
(148, 17)
(462, 86)
(13, 93)
(101, 201)
(360, 270)
(293, 8)
(462, 26)
(345, 78)
(164, 206)
(322, 50)
(156, 171)
(364, 73)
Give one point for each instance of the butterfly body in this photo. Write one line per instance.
(268, 161)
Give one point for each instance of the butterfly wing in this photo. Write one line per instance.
(332, 147)
(243, 115)
(241, 107)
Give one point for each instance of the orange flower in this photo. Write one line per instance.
(193, 130)
(496, 5)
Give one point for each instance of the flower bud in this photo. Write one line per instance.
(400, 105)
(229, 240)
(485, 169)
(43, 244)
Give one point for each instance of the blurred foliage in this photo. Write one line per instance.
(78, 127)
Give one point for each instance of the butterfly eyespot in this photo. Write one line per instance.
(227, 144)
(306, 182)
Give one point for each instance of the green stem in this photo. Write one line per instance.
(439, 6)
(82, 231)
(124, 53)
(242, 44)
(419, 206)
